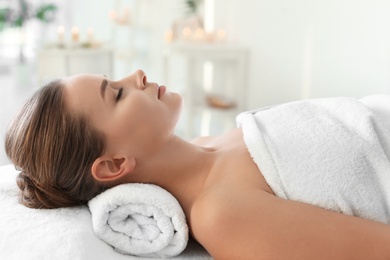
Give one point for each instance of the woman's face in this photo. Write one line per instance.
(136, 116)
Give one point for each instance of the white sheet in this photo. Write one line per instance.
(55, 234)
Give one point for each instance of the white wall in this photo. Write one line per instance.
(298, 49)
(312, 48)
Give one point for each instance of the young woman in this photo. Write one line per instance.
(83, 134)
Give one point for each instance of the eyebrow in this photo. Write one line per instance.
(103, 87)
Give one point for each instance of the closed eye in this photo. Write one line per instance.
(119, 95)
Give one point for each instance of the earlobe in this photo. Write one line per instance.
(110, 169)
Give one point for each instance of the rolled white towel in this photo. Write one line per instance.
(140, 219)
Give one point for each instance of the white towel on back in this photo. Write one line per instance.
(333, 152)
(140, 219)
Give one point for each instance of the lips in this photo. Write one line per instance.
(161, 91)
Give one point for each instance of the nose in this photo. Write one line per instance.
(140, 78)
(137, 79)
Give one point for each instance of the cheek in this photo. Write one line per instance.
(118, 127)
(116, 135)
(129, 123)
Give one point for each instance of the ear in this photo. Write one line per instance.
(109, 169)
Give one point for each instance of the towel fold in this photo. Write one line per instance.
(333, 152)
(140, 219)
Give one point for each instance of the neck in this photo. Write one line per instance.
(179, 167)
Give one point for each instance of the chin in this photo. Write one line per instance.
(177, 107)
(176, 101)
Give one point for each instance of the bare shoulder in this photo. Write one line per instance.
(253, 224)
(221, 217)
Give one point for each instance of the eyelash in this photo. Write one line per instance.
(120, 93)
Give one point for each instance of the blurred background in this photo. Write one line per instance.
(223, 56)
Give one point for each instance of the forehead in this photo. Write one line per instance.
(82, 90)
(83, 81)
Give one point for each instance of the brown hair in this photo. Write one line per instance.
(54, 150)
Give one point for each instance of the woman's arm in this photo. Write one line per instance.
(257, 225)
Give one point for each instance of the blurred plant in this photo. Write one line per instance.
(20, 11)
(3, 18)
(192, 6)
(17, 13)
